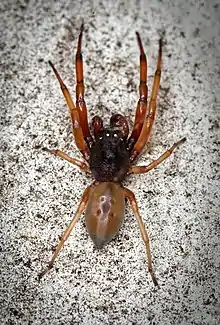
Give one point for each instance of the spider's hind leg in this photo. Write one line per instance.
(130, 195)
(67, 232)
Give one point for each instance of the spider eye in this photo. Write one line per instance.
(115, 135)
(107, 134)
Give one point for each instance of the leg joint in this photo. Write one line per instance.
(79, 56)
(80, 100)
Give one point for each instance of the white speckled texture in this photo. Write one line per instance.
(179, 200)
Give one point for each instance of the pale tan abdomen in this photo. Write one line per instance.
(105, 212)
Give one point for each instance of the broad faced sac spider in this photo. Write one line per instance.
(109, 154)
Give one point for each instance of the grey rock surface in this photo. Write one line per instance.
(179, 200)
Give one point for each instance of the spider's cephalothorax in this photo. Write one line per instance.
(109, 159)
(108, 155)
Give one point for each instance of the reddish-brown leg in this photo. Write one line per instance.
(77, 130)
(97, 125)
(155, 163)
(130, 195)
(142, 102)
(80, 102)
(118, 121)
(66, 234)
(73, 161)
(150, 115)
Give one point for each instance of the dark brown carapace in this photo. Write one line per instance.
(109, 154)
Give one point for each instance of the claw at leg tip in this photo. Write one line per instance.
(182, 140)
(82, 27)
(45, 271)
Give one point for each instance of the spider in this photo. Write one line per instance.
(109, 154)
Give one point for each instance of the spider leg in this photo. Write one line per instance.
(67, 232)
(73, 161)
(80, 102)
(150, 115)
(118, 121)
(155, 163)
(130, 195)
(142, 102)
(97, 125)
(77, 130)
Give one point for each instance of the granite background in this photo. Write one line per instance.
(179, 200)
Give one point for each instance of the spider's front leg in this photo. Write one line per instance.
(151, 110)
(142, 102)
(80, 101)
(77, 129)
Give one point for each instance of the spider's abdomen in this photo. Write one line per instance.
(109, 160)
(105, 212)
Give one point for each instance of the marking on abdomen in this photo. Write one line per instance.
(105, 207)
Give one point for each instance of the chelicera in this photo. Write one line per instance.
(109, 154)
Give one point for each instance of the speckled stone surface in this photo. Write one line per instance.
(179, 200)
